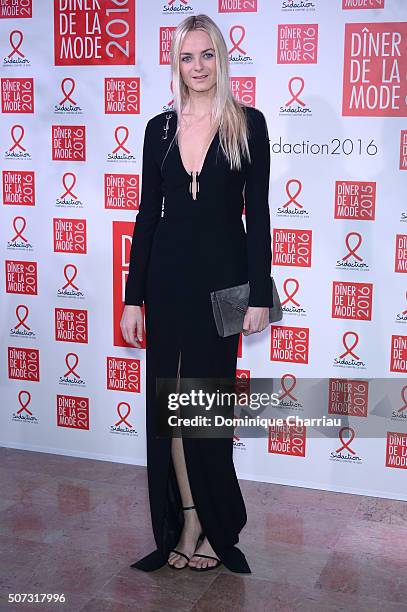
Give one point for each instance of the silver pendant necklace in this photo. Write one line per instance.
(194, 174)
(194, 185)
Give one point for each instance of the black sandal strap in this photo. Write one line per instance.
(180, 553)
(188, 507)
(206, 556)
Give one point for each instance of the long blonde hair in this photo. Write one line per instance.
(227, 112)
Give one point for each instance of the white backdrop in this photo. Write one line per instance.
(77, 88)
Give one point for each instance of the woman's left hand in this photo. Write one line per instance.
(256, 319)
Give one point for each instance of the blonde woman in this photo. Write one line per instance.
(202, 162)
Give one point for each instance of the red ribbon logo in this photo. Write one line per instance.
(283, 379)
(67, 95)
(120, 144)
(72, 185)
(13, 46)
(236, 44)
(19, 232)
(402, 393)
(17, 142)
(349, 350)
(243, 387)
(344, 443)
(71, 369)
(24, 404)
(295, 97)
(21, 320)
(350, 250)
(123, 418)
(290, 296)
(292, 197)
(72, 278)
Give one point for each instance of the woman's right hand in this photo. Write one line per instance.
(131, 325)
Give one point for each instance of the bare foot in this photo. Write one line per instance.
(188, 540)
(203, 549)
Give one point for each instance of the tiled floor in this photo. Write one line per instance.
(73, 526)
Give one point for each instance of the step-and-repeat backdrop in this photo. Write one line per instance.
(79, 80)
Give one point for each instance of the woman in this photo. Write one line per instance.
(198, 158)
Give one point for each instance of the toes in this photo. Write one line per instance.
(171, 561)
(202, 563)
(174, 560)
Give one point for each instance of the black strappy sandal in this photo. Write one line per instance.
(178, 552)
(208, 567)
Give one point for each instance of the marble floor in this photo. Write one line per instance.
(73, 526)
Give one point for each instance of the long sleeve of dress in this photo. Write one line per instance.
(148, 215)
(258, 212)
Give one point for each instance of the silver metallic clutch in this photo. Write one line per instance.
(229, 308)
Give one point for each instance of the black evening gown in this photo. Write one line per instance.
(182, 249)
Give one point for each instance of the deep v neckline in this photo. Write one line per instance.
(204, 159)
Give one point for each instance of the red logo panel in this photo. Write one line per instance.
(71, 325)
(122, 238)
(21, 277)
(403, 150)
(348, 397)
(237, 6)
(375, 64)
(398, 355)
(352, 300)
(122, 95)
(355, 200)
(69, 143)
(289, 344)
(287, 440)
(297, 43)
(94, 34)
(292, 247)
(165, 45)
(244, 89)
(23, 363)
(400, 260)
(123, 374)
(240, 346)
(362, 4)
(396, 450)
(122, 191)
(73, 412)
(18, 188)
(17, 95)
(69, 235)
(16, 8)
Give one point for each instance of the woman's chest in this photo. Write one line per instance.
(214, 180)
(193, 144)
